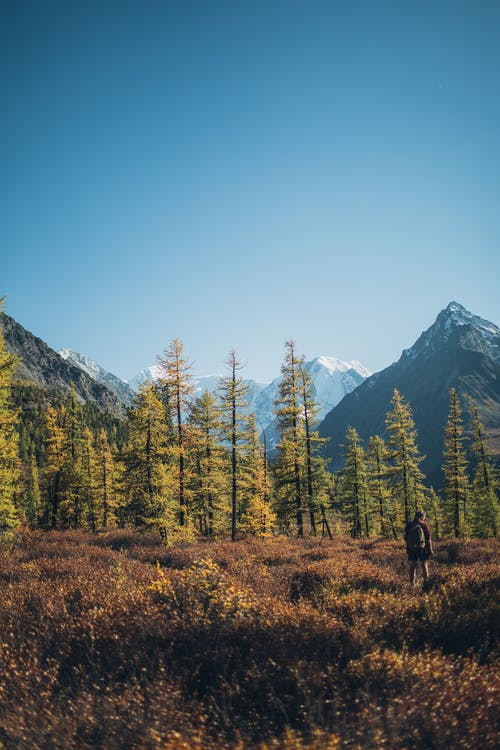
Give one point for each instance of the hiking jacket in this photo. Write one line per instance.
(426, 530)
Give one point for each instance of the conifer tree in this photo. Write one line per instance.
(355, 502)
(208, 457)
(175, 373)
(71, 504)
(31, 491)
(233, 402)
(54, 461)
(455, 471)
(405, 474)
(288, 414)
(486, 506)
(256, 515)
(378, 486)
(144, 476)
(88, 505)
(316, 472)
(434, 512)
(9, 453)
(104, 481)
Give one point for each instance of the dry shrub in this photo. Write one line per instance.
(100, 648)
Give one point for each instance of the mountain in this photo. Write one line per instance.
(39, 364)
(331, 379)
(119, 387)
(459, 350)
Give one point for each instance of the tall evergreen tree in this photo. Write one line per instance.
(316, 472)
(89, 515)
(104, 475)
(486, 506)
(175, 373)
(355, 502)
(71, 504)
(233, 402)
(54, 462)
(208, 457)
(455, 471)
(9, 453)
(256, 515)
(31, 497)
(378, 486)
(144, 477)
(289, 418)
(405, 474)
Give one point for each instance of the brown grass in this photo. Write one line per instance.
(259, 644)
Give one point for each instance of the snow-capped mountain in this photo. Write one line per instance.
(459, 350)
(119, 387)
(455, 318)
(331, 380)
(149, 374)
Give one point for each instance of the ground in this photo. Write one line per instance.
(116, 641)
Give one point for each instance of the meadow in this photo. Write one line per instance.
(117, 641)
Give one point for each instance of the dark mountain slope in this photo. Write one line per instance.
(459, 350)
(39, 364)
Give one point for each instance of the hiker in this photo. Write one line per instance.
(418, 545)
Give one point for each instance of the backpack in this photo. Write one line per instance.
(416, 537)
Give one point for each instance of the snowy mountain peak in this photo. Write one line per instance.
(332, 364)
(482, 335)
(119, 387)
(457, 315)
(331, 380)
(148, 375)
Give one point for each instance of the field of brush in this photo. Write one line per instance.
(115, 641)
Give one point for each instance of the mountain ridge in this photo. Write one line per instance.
(459, 350)
(37, 363)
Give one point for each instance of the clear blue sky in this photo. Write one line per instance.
(238, 173)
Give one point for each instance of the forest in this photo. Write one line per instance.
(188, 465)
(172, 582)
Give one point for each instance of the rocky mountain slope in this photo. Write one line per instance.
(38, 363)
(459, 350)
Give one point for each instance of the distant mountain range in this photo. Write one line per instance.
(331, 379)
(459, 350)
(56, 371)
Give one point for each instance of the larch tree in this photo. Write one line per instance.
(233, 392)
(406, 477)
(144, 480)
(104, 481)
(289, 413)
(378, 486)
(71, 503)
(355, 502)
(54, 462)
(256, 515)
(455, 471)
(485, 486)
(9, 451)
(31, 491)
(176, 374)
(208, 477)
(88, 488)
(317, 475)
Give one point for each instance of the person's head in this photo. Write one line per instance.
(420, 515)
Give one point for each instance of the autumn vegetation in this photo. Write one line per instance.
(114, 640)
(166, 583)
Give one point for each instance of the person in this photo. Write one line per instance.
(418, 545)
